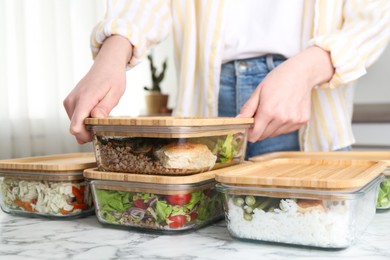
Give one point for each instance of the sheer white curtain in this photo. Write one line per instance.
(44, 51)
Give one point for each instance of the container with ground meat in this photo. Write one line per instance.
(168, 145)
(307, 202)
(48, 186)
(157, 203)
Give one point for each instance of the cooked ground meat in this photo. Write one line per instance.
(135, 155)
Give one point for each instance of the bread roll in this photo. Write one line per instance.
(187, 156)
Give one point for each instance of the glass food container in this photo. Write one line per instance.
(306, 202)
(47, 186)
(167, 204)
(168, 145)
(383, 202)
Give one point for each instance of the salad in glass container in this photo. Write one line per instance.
(158, 211)
(383, 201)
(46, 186)
(45, 198)
(159, 203)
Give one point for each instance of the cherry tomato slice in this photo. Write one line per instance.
(140, 204)
(177, 221)
(179, 199)
(193, 216)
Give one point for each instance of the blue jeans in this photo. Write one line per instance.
(239, 79)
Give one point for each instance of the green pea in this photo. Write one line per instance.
(248, 210)
(248, 217)
(250, 200)
(238, 201)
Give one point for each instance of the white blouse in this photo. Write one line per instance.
(274, 27)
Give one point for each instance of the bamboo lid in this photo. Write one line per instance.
(373, 156)
(60, 163)
(362, 155)
(154, 179)
(169, 121)
(320, 174)
(28, 176)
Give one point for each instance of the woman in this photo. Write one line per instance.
(288, 64)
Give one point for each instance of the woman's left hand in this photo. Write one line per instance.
(282, 101)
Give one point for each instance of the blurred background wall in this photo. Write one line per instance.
(44, 52)
(373, 90)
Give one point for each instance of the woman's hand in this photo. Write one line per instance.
(282, 102)
(101, 88)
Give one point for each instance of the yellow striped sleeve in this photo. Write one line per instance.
(143, 23)
(359, 41)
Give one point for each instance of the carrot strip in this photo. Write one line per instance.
(78, 194)
(19, 203)
(80, 206)
(24, 205)
(28, 207)
(64, 212)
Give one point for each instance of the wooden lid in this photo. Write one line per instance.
(372, 156)
(319, 174)
(149, 188)
(154, 179)
(28, 176)
(53, 163)
(168, 121)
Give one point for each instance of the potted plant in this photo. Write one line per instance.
(156, 101)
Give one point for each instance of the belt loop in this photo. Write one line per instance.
(269, 59)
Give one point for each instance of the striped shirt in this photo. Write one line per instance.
(355, 32)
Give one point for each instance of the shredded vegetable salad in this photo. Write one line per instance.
(159, 212)
(45, 197)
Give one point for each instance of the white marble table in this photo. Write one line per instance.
(27, 238)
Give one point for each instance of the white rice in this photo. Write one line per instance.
(332, 228)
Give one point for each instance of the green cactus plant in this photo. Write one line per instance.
(156, 77)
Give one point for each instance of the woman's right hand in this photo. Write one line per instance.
(101, 88)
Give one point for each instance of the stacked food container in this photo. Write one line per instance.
(315, 202)
(46, 186)
(178, 174)
(157, 173)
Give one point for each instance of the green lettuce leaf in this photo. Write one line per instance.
(144, 196)
(163, 210)
(384, 194)
(195, 198)
(113, 201)
(226, 148)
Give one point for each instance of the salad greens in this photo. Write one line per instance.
(156, 211)
(384, 194)
(113, 201)
(226, 148)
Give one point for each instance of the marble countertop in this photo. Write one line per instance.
(29, 238)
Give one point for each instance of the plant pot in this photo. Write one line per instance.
(156, 103)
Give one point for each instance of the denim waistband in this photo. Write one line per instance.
(262, 64)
